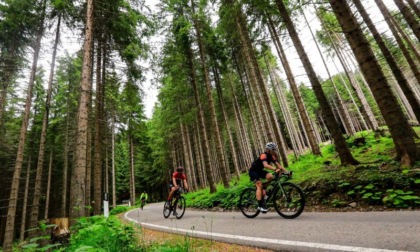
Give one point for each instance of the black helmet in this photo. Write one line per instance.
(179, 169)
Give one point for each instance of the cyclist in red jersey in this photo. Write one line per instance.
(257, 172)
(179, 179)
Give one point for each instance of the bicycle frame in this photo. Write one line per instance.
(276, 185)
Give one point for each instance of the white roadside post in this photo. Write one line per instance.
(106, 205)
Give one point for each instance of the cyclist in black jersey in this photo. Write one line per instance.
(257, 172)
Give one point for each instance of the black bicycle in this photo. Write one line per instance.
(177, 205)
(142, 203)
(287, 198)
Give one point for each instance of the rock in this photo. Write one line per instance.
(353, 204)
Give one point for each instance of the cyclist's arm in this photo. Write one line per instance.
(270, 167)
(174, 182)
(185, 184)
(280, 167)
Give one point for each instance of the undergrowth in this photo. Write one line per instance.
(378, 181)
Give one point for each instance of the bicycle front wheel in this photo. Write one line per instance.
(180, 207)
(248, 203)
(289, 200)
(166, 210)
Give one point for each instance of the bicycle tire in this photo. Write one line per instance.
(166, 210)
(291, 205)
(180, 206)
(248, 203)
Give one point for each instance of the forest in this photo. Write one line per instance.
(231, 76)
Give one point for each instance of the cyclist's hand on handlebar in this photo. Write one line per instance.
(288, 173)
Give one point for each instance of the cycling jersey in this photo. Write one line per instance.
(179, 176)
(258, 163)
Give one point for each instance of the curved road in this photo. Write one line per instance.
(349, 231)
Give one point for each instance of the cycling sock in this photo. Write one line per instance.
(260, 203)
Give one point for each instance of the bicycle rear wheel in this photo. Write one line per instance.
(180, 207)
(289, 202)
(248, 203)
(166, 210)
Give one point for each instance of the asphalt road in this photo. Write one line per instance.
(349, 231)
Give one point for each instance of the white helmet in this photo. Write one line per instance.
(271, 146)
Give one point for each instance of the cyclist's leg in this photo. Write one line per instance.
(268, 177)
(256, 178)
(171, 193)
(263, 174)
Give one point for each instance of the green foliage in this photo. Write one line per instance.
(41, 242)
(119, 209)
(102, 234)
(401, 199)
(226, 198)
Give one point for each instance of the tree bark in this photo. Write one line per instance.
(341, 145)
(391, 111)
(414, 6)
(97, 160)
(78, 178)
(33, 221)
(11, 211)
(47, 200)
(224, 171)
(295, 91)
(396, 70)
(409, 17)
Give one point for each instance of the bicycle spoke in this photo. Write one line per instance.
(289, 202)
(248, 203)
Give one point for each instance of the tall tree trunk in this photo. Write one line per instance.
(396, 70)
(202, 127)
(366, 109)
(97, 167)
(414, 6)
(409, 17)
(341, 106)
(295, 91)
(65, 164)
(78, 178)
(242, 136)
(188, 166)
(390, 21)
(284, 107)
(33, 221)
(25, 201)
(400, 129)
(199, 155)
(114, 189)
(193, 176)
(255, 117)
(47, 200)
(226, 122)
(257, 81)
(341, 145)
(214, 124)
(11, 211)
(132, 174)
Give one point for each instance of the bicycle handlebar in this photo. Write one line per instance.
(288, 175)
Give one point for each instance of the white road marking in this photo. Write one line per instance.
(210, 235)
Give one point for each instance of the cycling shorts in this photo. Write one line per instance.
(257, 174)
